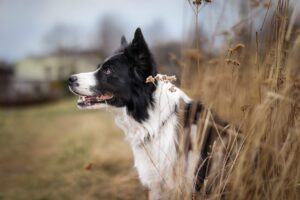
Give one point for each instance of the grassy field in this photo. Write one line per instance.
(44, 151)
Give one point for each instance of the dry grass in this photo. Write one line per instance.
(261, 96)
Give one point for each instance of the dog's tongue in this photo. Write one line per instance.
(103, 97)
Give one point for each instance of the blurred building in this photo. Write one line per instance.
(42, 78)
(55, 67)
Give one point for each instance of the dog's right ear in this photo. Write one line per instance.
(139, 46)
(124, 42)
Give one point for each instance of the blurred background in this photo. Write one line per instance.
(51, 150)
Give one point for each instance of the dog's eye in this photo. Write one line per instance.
(107, 71)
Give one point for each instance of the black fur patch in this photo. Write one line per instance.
(198, 111)
(187, 114)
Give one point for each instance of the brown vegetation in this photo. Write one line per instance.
(257, 89)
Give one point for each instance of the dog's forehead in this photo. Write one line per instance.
(110, 59)
(117, 55)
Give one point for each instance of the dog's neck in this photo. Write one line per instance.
(163, 111)
(154, 141)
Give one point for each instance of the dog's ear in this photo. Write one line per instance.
(139, 51)
(139, 45)
(124, 42)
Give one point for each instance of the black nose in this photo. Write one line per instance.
(72, 79)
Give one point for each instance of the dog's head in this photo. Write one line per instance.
(120, 80)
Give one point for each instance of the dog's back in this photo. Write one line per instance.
(209, 145)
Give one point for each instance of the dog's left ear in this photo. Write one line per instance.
(124, 42)
(139, 51)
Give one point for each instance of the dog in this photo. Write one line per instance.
(146, 111)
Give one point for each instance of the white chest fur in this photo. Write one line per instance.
(154, 141)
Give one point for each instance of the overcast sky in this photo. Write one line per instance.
(25, 23)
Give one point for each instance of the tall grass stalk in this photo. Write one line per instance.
(264, 164)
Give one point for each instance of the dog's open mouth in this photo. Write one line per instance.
(84, 101)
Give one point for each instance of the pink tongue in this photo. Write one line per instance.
(98, 98)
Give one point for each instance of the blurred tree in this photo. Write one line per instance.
(62, 37)
(61, 40)
(165, 54)
(156, 32)
(6, 72)
(109, 33)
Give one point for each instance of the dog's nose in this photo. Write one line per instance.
(72, 79)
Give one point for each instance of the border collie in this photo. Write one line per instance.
(146, 112)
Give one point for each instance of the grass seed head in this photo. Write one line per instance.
(233, 62)
(238, 47)
(197, 2)
(160, 77)
(150, 79)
